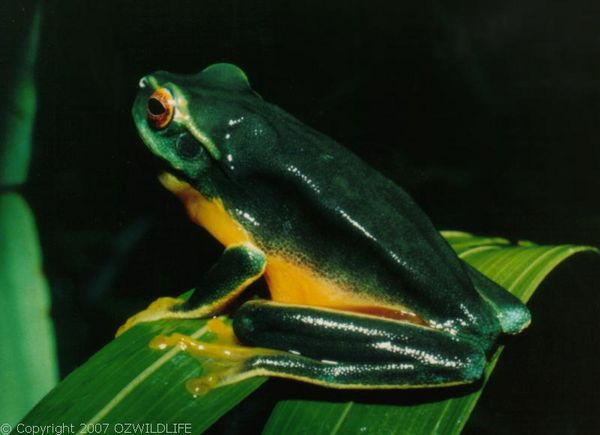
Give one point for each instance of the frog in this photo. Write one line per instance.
(364, 292)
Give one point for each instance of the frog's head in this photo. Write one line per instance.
(198, 122)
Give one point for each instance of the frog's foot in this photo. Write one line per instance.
(224, 360)
(162, 308)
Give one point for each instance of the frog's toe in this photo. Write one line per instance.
(162, 308)
(223, 360)
(217, 376)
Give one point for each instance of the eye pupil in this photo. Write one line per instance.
(155, 107)
(160, 108)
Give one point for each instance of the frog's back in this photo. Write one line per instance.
(356, 228)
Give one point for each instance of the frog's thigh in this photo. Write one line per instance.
(345, 350)
(512, 314)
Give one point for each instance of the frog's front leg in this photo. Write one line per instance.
(345, 350)
(238, 267)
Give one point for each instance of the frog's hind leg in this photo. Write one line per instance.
(512, 314)
(236, 269)
(346, 350)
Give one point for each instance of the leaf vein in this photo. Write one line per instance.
(341, 419)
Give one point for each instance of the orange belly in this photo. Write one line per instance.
(299, 285)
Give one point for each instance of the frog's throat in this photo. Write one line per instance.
(208, 213)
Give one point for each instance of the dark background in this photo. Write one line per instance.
(486, 112)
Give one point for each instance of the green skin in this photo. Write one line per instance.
(300, 193)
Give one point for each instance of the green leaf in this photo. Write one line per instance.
(16, 123)
(519, 268)
(27, 350)
(128, 382)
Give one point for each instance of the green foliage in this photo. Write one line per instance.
(128, 382)
(27, 353)
(17, 119)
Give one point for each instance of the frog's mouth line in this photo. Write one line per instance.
(173, 183)
(164, 167)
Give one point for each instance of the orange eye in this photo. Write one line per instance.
(160, 109)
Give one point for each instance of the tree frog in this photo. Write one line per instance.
(364, 292)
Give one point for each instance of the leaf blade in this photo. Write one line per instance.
(145, 386)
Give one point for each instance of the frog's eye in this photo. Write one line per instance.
(160, 108)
